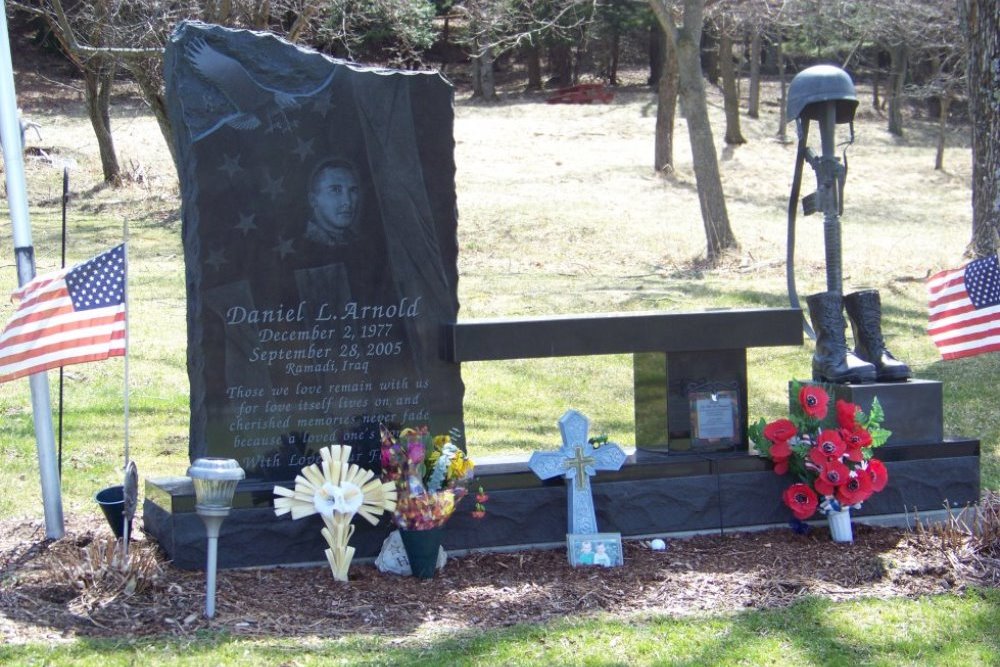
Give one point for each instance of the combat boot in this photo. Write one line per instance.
(832, 361)
(865, 312)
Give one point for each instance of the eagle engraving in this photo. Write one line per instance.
(255, 104)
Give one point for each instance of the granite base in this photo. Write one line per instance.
(653, 493)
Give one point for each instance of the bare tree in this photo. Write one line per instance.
(105, 34)
(981, 19)
(730, 90)
(684, 34)
(666, 110)
(753, 87)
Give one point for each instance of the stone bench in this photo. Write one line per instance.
(673, 353)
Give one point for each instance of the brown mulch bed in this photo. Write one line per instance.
(46, 595)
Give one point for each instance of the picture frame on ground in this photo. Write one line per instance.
(600, 549)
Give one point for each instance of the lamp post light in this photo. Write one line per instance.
(215, 481)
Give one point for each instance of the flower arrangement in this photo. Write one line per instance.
(431, 475)
(832, 461)
(336, 490)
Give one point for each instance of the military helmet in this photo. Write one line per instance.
(821, 83)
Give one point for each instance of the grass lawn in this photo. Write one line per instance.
(559, 212)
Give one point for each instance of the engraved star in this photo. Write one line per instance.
(303, 149)
(284, 247)
(246, 223)
(231, 165)
(274, 187)
(216, 258)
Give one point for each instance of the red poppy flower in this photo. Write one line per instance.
(855, 455)
(781, 429)
(847, 413)
(818, 458)
(801, 500)
(781, 467)
(879, 475)
(857, 489)
(830, 443)
(781, 450)
(855, 438)
(832, 475)
(814, 402)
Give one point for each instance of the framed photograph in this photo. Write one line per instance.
(601, 549)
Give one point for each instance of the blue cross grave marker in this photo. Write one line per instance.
(577, 461)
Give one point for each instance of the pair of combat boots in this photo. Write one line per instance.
(870, 361)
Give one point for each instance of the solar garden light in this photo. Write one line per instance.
(215, 481)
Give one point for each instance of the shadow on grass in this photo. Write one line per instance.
(930, 630)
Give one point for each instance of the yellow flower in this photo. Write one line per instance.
(460, 466)
(432, 459)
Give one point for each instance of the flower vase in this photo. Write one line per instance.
(422, 547)
(840, 525)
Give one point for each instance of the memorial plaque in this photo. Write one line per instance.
(320, 244)
(714, 417)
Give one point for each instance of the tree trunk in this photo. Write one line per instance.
(897, 79)
(483, 82)
(666, 110)
(709, 57)
(686, 41)
(533, 63)
(945, 104)
(779, 61)
(730, 95)
(561, 63)
(876, 76)
(149, 78)
(753, 95)
(98, 79)
(657, 46)
(981, 19)
(616, 47)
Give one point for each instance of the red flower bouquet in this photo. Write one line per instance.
(832, 461)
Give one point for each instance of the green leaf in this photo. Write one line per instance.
(875, 415)
(755, 433)
(879, 436)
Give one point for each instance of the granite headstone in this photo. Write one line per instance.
(319, 229)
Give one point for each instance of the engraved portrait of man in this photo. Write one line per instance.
(335, 198)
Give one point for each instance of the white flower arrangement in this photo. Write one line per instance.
(336, 491)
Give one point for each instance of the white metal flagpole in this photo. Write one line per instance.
(17, 200)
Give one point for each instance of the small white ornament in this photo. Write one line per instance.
(657, 545)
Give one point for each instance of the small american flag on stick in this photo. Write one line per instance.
(68, 317)
(964, 315)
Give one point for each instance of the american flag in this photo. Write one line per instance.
(67, 317)
(965, 309)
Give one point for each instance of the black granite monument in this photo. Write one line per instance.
(320, 245)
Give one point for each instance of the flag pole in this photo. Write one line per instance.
(24, 257)
(62, 265)
(130, 481)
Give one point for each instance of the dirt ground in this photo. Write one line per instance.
(49, 592)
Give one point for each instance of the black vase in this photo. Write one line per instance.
(422, 547)
(112, 503)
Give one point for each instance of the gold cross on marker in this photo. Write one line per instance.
(580, 463)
